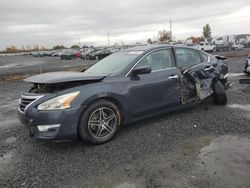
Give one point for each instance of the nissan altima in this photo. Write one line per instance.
(124, 87)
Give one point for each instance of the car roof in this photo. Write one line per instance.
(152, 47)
(146, 47)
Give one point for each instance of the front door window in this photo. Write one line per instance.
(158, 60)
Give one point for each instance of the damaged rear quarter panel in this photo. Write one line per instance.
(203, 75)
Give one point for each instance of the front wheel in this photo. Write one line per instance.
(100, 122)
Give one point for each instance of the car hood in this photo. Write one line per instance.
(62, 77)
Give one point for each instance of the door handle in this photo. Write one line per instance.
(173, 77)
(208, 68)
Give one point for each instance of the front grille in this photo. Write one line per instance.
(26, 100)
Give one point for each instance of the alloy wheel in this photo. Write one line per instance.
(102, 122)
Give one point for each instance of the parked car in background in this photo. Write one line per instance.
(35, 54)
(237, 46)
(39, 54)
(223, 47)
(205, 46)
(77, 53)
(68, 54)
(104, 54)
(92, 55)
(191, 45)
(85, 50)
(50, 53)
(247, 44)
(57, 54)
(247, 65)
(114, 49)
(100, 54)
(85, 55)
(126, 86)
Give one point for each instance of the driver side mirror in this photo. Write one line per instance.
(141, 70)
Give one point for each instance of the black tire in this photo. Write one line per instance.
(87, 130)
(219, 96)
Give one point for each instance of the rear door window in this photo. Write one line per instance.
(187, 57)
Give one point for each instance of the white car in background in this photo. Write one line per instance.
(237, 46)
(205, 46)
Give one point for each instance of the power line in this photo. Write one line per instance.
(108, 39)
(170, 25)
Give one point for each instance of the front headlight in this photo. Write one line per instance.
(60, 102)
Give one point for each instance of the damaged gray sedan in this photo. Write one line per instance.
(247, 65)
(124, 87)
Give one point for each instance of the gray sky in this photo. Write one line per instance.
(50, 22)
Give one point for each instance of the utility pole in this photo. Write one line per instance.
(108, 39)
(170, 25)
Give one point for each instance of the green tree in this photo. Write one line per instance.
(164, 35)
(206, 31)
(150, 41)
(75, 47)
(58, 47)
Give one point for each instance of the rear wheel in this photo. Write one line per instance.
(100, 122)
(219, 96)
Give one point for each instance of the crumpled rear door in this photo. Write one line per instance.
(201, 76)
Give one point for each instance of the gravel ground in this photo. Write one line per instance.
(205, 146)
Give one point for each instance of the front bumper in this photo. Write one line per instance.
(51, 125)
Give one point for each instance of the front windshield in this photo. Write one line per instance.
(114, 63)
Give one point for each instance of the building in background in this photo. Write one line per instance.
(224, 39)
(244, 38)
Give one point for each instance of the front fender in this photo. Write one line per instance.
(113, 97)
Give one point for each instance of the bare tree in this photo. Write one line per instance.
(196, 40)
(164, 35)
(11, 49)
